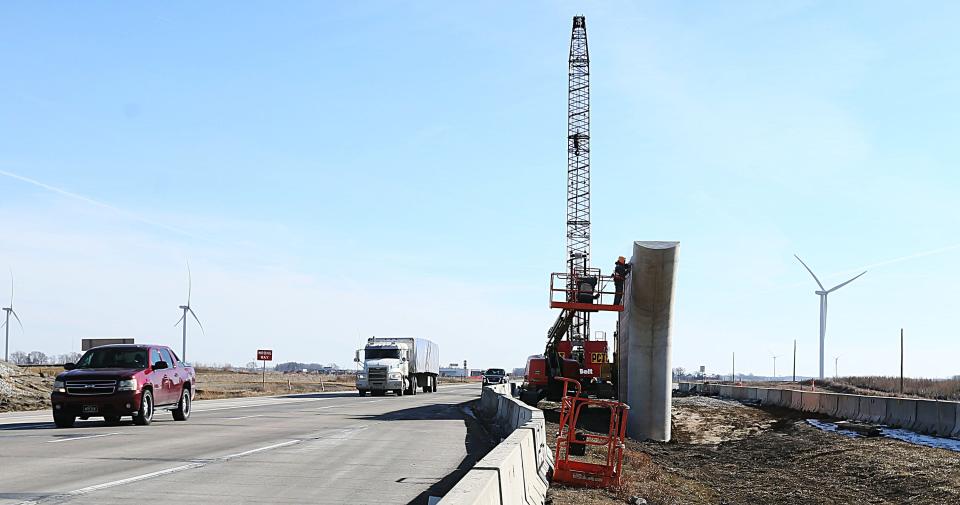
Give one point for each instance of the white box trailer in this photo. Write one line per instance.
(398, 364)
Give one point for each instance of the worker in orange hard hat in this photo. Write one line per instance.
(620, 271)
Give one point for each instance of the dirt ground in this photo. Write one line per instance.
(724, 452)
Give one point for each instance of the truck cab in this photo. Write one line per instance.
(113, 381)
(384, 369)
(398, 364)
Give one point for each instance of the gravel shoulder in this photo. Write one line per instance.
(724, 452)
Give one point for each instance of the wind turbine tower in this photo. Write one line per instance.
(823, 292)
(6, 324)
(183, 319)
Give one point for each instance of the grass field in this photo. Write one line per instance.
(939, 389)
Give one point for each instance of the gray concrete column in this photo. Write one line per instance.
(645, 380)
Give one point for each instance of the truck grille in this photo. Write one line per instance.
(378, 375)
(91, 387)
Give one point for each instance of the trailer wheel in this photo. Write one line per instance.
(362, 392)
(434, 384)
(427, 388)
(412, 389)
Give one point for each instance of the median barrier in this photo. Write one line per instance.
(956, 430)
(874, 408)
(762, 395)
(786, 398)
(927, 417)
(828, 404)
(936, 417)
(901, 413)
(726, 391)
(752, 393)
(772, 397)
(684, 387)
(947, 414)
(809, 401)
(515, 471)
(796, 400)
(848, 407)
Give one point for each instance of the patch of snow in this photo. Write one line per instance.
(833, 428)
(898, 434)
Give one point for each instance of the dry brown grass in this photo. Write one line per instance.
(939, 389)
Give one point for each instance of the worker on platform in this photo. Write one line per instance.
(620, 271)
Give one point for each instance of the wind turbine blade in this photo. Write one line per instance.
(811, 272)
(838, 286)
(179, 320)
(17, 317)
(194, 314)
(3, 324)
(189, 283)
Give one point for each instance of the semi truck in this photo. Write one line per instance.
(398, 364)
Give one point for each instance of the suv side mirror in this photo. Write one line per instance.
(160, 365)
(69, 366)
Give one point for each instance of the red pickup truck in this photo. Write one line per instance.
(113, 381)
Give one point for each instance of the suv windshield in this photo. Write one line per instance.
(374, 353)
(496, 371)
(114, 358)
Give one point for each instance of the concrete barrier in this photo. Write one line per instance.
(726, 391)
(786, 397)
(516, 471)
(873, 409)
(809, 401)
(796, 400)
(828, 404)
(936, 417)
(848, 407)
(762, 395)
(956, 430)
(901, 413)
(947, 415)
(752, 394)
(772, 398)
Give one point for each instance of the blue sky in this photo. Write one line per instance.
(340, 169)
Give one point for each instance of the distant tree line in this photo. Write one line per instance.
(42, 358)
(292, 366)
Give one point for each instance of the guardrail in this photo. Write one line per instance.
(930, 417)
(519, 468)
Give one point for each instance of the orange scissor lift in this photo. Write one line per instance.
(571, 442)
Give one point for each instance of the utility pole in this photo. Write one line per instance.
(901, 360)
(733, 371)
(774, 368)
(794, 360)
(835, 360)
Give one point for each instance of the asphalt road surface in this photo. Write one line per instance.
(312, 448)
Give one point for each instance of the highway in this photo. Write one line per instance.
(312, 448)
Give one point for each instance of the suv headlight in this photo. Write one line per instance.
(360, 376)
(59, 387)
(127, 385)
(395, 376)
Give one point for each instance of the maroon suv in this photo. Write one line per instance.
(113, 381)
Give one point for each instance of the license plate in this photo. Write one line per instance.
(89, 409)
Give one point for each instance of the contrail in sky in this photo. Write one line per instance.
(97, 203)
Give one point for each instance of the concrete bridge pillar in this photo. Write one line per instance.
(643, 344)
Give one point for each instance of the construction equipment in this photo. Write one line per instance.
(581, 289)
(571, 442)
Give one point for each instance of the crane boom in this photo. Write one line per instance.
(578, 166)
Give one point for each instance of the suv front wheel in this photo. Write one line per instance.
(144, 416)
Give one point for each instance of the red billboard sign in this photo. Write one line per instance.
(264, 355)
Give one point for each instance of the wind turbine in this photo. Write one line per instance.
(774, 356)
(186, 309)
(6, 324)
(823, 292)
